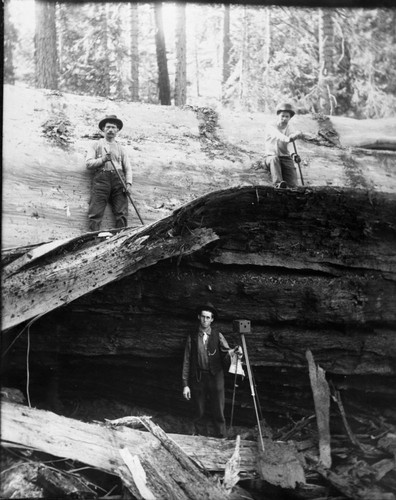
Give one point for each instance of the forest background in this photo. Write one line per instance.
(334, 61)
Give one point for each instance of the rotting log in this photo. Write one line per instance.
(98, 444)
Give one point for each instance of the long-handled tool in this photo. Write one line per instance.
(242, 326)
(297, 159)
(124, 186)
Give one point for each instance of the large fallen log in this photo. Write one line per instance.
(46, 184)
(330, 230)
(311, 268)
(98, 444)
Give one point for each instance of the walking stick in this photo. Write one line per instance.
(297, 159)
(242, 326)
(125, 187)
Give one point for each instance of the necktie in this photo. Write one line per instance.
(205, 338)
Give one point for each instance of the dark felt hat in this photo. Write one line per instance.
(111, 119)
(285, 106)
(207, 307)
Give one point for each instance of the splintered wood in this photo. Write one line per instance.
(151, 464)
(321, 395)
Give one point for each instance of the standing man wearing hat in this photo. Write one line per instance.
(106, 186)
(277, 140)
(203, 375)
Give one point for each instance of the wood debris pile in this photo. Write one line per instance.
(46, 455)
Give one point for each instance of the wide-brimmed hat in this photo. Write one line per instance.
(207, 307)
(285, 106)
(111, 119)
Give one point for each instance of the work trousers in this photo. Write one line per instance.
(209, 387)
(282, 169)
(107, 188)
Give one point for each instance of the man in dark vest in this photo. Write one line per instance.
(203, 375)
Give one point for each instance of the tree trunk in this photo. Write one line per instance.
(226, 46)
(162, 62)
(326, 62)
(181, 67)
(266, 57)
(46, 54)
(10, 39)
(244, 59)
(104, 86)
(134, 45)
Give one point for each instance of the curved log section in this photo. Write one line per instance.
(332, 232)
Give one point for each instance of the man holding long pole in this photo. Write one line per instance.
(112, 179)
(277, 155)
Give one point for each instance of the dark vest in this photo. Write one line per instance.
(214, 355)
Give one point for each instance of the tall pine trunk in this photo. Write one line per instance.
(162, 62)
(104, 38)
(266, 57)
(181, 62)
(226, 48)
(326, 61)
(10, 36)
(244, 60)
(46, 54)
(134, 44)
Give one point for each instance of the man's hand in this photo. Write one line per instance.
(237, 350)
(129, 187)
(296, 158)
(106, 157)
(186, 393)
(296, 135)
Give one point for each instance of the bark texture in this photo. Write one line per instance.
(46, 56)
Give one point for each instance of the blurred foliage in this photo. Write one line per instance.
(95, 58)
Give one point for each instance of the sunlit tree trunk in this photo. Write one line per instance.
(134, 22)
(196, 65)
(266, 56)
(326, 61)
(104, 38)
(181, 64)
(244, 59)
(10, 37)
(226, 46)
(344, 89)
(46, 54)
(162, 62)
